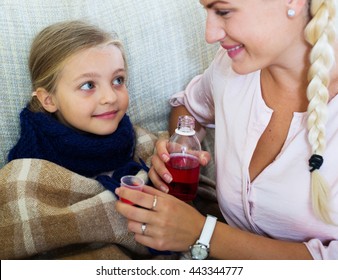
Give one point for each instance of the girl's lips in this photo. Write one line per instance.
(106, 115)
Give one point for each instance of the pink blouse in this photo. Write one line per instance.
(277, 204)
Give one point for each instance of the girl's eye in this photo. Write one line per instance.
(87, 86)
(118, 81)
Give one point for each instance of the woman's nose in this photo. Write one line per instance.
(214, 31)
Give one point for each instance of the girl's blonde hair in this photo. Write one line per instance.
(54, 45)
(320, 33)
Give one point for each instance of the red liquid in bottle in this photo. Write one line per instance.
(185, 170)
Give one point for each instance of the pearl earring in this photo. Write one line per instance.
(291, 12)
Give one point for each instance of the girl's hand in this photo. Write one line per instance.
(159, 174)
(163, 222)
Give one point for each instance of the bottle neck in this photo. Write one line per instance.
(185, 126)
(185, 131)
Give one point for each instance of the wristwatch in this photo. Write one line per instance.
(200, 250)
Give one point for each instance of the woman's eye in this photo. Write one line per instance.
(222, 12)
(87, 86)
(118, 81)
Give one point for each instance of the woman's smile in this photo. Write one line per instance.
(233, 50)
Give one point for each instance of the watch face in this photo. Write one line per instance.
(199, 252)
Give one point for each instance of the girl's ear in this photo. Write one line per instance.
(46, 100)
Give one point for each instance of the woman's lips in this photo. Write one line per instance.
(233, 50)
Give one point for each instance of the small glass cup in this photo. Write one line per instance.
(131, 182)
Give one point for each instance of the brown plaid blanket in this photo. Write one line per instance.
(49, 212)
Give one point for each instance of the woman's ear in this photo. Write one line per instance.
(46, 100)
(296, 6)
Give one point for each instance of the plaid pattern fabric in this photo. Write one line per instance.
(45, 208)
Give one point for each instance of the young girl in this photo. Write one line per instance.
(76, 117)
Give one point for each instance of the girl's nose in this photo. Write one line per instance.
(108, 96)
(214, 31)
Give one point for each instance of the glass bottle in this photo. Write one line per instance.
(183, 165)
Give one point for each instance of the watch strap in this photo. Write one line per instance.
(208, 230)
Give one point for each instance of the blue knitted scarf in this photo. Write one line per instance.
(43, 137)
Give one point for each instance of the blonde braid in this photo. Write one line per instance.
(320, 34)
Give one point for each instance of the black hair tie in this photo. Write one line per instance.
(315, 162)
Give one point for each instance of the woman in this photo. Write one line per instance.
(271, 93)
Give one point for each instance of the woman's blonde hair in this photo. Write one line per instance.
(54, 45)
(320, 33)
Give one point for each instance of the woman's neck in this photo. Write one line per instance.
(284, 87)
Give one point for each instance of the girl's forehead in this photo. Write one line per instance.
(102, 49)
(94, 57)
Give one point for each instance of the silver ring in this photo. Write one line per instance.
(143, 228)
(154, 202)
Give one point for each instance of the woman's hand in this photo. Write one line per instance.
(159, 174)
(163, 222)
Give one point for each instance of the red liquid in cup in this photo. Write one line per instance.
(126, 201)
(185, 170)
(133, 186)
